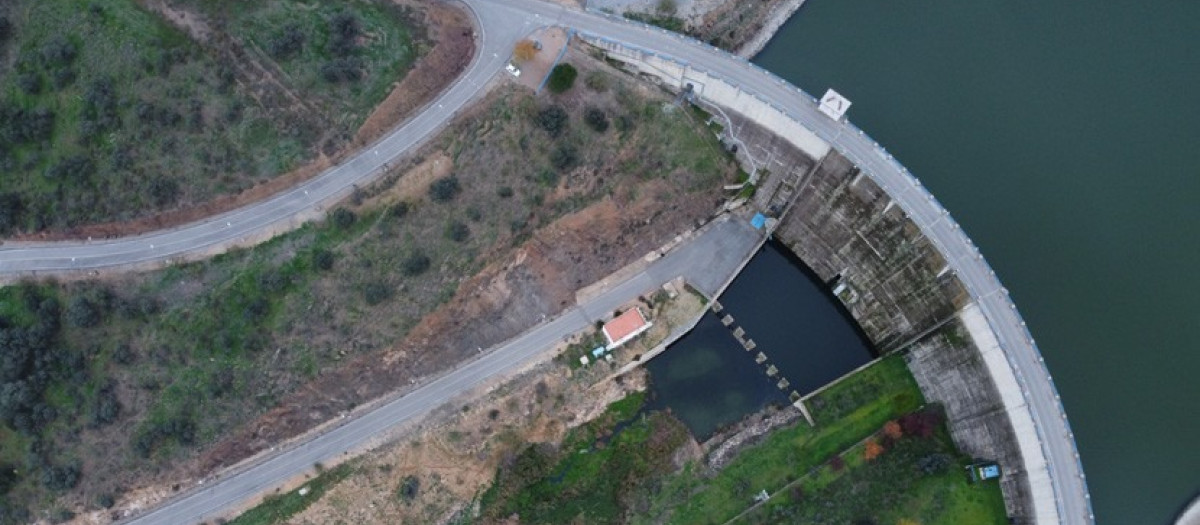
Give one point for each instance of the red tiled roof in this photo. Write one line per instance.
(625, 324)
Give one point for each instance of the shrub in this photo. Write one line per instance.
(163, 191)
(457, 231)
(344, 29)
(30, 83)
(415, 264)
(376, 293)
(60, 478)
(503, 191)
(106, 408)
(62, 78)
(271, 281)
(562, 78)
(322, 259)
(474, 214)
(75, 167)
(444, 189)
(11, 208)
(872, 450)
(59, 51)
(343, 69)
(547, 177)
(596, 81)
(22, 126)
(922, 423)
(398, 210)
(552, 119)
(409, 488)
(287, 43)
(596, 119)
(342, 218)
(106, 500)
(124, 355)
(892, 429)
(836, 463)
(82, 312)
(564, 157)
(932, 464)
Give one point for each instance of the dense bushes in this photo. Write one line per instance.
(181, 428)
(342, 69)
(444, 189)
(23, 126)
(375, 293)
(342, 218)
(322, 259)
(552, 119)
(415, 264)
(562, 78)
(344, 30)
(564, 157)
(288, 43)
(457, 231)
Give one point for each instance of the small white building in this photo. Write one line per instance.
(834, 105)
(625, 327)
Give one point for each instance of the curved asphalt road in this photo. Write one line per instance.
(501, 23)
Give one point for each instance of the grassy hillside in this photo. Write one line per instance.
(105, 382)
(110, 112)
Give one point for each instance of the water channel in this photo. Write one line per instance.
(709, 380)
(1063, 137)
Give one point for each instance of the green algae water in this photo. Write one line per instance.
(1065, 138)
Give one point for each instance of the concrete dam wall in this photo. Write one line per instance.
(892, 278)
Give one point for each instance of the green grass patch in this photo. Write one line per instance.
(845, 414)
(279, 508)
(915, 479)
(593, 475)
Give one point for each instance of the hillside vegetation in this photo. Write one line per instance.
(110, 384)
(110, 112)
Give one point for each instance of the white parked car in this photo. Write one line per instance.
(512, 70)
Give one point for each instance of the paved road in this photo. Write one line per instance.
(707, 261)
(501, 23)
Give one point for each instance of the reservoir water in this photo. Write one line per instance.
(709, 380)
(1065, 138)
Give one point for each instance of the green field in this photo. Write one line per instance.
(818, 474)
(917, 478)
(845, 414)
(108, 112)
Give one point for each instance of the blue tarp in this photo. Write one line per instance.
(599, 351)
(758, 221)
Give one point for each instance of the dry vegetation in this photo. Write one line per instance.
(178, 372)
(187, 108)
